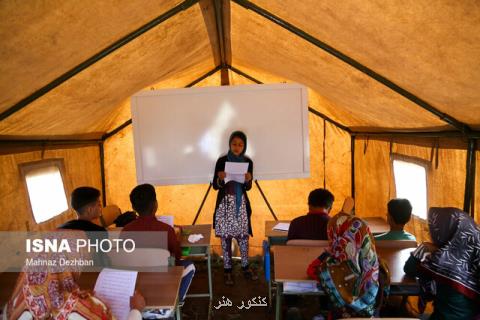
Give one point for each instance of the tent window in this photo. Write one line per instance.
(411, 184)
(45, 188)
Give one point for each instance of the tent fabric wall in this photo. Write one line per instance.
(374, 184)
(287, 197)
(82, 168)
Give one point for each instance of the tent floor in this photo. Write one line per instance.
(244, 290)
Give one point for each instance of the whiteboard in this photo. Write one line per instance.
(180, 133)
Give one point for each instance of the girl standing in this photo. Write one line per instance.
(232, 210)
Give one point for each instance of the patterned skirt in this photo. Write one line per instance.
(227, 224)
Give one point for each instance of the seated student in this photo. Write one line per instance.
(449, 269)
(86, 202)
(349, 271)
(56, 295)
(313, 225)
(399, 213)
(144, 201)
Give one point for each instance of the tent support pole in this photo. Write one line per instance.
(100, 55)
(266, 201)
(102, 173)
(352, 153)
(203, 202)
(355, 64)
(470, 178)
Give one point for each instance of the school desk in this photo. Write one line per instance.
(199, 249)
(274, 237)
(288, 269)
(377, 225)
(160, 289)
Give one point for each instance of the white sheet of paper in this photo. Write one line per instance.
(115, 287)
(235, 171)
(282, 226)
(291, 286)
(240, 178)
(166, 219)
(236, 167)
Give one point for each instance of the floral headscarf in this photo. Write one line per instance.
(349, 270)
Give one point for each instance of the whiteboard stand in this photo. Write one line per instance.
(266, 200)
(208, 191)
(203, 202)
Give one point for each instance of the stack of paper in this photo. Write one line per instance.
(282, 226)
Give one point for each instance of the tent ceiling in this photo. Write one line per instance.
(431, 51)
(267, 46)
(43, 39)
(430, 48)
(85, 103)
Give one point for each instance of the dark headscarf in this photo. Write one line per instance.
(240, 135)
(233, 158)
(457, 260)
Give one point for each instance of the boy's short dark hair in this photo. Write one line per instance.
(143, 198)
(320, 198)
(82, 196)
(400, 210)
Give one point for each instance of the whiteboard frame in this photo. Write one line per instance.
(199, 90)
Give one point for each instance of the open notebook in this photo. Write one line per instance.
(115, 287)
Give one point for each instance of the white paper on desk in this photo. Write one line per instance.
(115, 287)
(282, 226)
(166, 219)
(195, 238)
(235, 171)
(292, 286)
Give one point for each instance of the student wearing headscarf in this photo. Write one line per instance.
(349, 271)
(231, 218)
(449, 268)
(52, 292)
(44, 295)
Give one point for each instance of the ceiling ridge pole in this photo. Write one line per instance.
(100, 55)
(464, 128)
(222, 41)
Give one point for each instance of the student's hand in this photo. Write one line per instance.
(248, 177)
(137, 301)
(221, 175)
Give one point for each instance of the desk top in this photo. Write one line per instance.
(288, 269)
(377, 225)
(160, 289)
(269, 232)
(203, 229)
